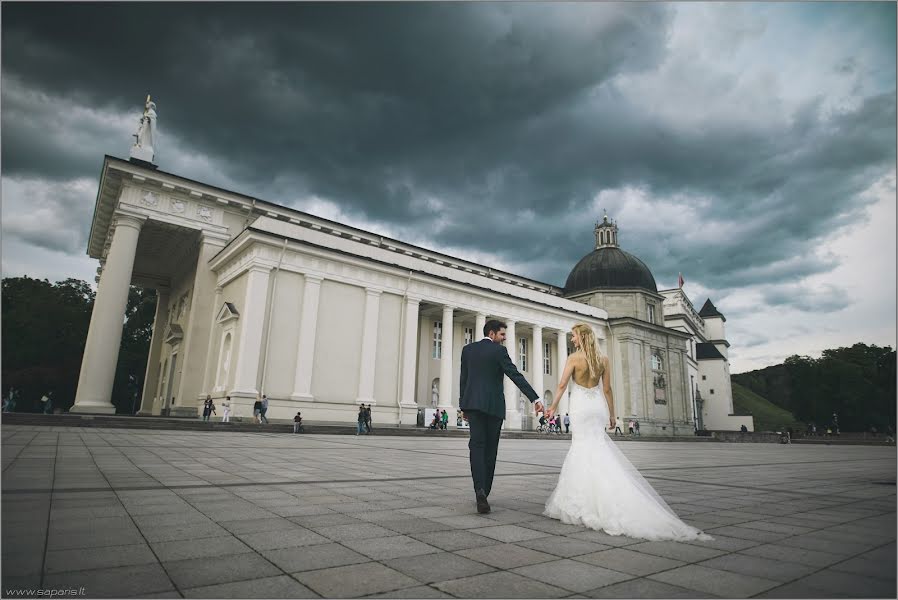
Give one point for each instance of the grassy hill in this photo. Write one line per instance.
(768, 416)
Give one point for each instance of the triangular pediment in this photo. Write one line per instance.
(227, 312)
(173, 333)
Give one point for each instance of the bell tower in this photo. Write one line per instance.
(606, 233)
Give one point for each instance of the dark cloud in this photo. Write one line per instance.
(485, 125)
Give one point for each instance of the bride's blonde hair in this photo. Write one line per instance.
(590, 349)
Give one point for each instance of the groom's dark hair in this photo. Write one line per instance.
(493, 325)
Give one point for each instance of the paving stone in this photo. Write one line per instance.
(677, 551)
(417, 526)
(319, 556)
(257, 525)
(355, 580)
(714, 581)
(201, 572)
(413, 592)
(722, 542)
(429, 568)
(170, 533)
(600, 537)
(454, 539)
(324, 520)
(280, 586)
(628, 561)
(287, 538)
(385, 548)
(510, 533)
(757, 566)
(644, 588)
(205, 547)
(354, 531)
(82, 559)
(505, 556)
(810, 542)
(113, 583)
(501, 584)
(572, 575)
(801, 556)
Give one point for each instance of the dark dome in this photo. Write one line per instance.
(608, 268)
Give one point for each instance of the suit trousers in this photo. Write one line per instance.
(483, 447)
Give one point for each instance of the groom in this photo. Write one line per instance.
(483, 365)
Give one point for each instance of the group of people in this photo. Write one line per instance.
(440, 420)
(12, 397)
(633, 426)
(553, 424)
(363, 422)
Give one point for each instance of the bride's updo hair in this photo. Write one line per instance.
(590, 349)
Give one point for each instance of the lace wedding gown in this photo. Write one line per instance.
(600, 489)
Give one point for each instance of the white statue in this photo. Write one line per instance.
(143, 147)
(435, 394)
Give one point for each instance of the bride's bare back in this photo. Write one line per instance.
(581, 371)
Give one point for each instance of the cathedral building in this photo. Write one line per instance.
(258, 298)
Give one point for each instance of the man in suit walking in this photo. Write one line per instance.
(483, 365)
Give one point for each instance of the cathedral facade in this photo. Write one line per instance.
(257, 298)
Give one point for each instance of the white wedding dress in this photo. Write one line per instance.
(600, 489)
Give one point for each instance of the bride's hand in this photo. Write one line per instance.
(611, 423)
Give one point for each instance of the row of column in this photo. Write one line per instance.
(510, 389)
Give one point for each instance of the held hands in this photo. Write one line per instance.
(538, 406)
(611, 422)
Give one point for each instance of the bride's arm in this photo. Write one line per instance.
(562, 383)
(606, 387)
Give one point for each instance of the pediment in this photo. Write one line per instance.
(173, 333)
(227, 312)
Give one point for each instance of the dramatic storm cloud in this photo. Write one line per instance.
(749, 146)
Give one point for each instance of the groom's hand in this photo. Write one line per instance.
(538, 406)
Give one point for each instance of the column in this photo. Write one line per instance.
(538, 362)
(512, 414)
(151, 378)
(305, 352)
(212, 357)
(446, 365)
(104, 335)
(479, 322)
(369, 347)
(199, 324)
(249, 348)
(561, 360)
(409, 352)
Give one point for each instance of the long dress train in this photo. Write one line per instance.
(599, 488)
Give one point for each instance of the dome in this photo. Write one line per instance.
(609, 267)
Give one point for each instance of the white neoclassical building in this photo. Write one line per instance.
(254, 297)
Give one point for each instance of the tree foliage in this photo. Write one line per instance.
(857, 383)
(44, 328)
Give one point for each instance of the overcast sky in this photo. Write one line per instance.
(749, 146)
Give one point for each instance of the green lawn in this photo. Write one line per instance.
(768, 416)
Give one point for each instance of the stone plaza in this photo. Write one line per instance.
(96, 512)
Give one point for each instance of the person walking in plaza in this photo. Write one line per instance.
(567, 423)
(361, 420)
(297, 423)
(368, 419)
(632, 427)
(484, 365)
(444, 420)
(226, 410)
(257, 411)
(208, 408)
(636, 424)
(617, 426)
(262, 416)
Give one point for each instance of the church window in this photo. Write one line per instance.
(712, 390)
(657, 362)
(704, 377)
(547, 360)
(469, 335)
(437, 340)
(522, 353)
(650, 309)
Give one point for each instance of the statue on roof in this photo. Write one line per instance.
(146, 133)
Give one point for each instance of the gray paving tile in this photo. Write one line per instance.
(319, 556)
(257, 525)
(82, 559)
(354, 531)
(562, 546)
(677, 551)
(324, 520)
(644, 588)
(600, 537)
(572, 575)
(280, 586)
(830, 581)
(509, 533)
(810, 542)
(505, 556)
(429, 568)
(423, 591)
(628, 561)
(454, 539)
(801, 556)
(199, 548)
(417, 526)
(354, 581)
(201, 572)
(183, 532)
(501, 584)
(113, 583)
(385, 548)
(286, 538)
(714, 581)
(778, 570)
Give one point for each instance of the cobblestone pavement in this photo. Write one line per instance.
(166, 514)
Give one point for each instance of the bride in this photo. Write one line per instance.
(598, 487)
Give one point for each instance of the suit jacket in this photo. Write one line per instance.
(483, 365)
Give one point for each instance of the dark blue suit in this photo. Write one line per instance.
(483, 366)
